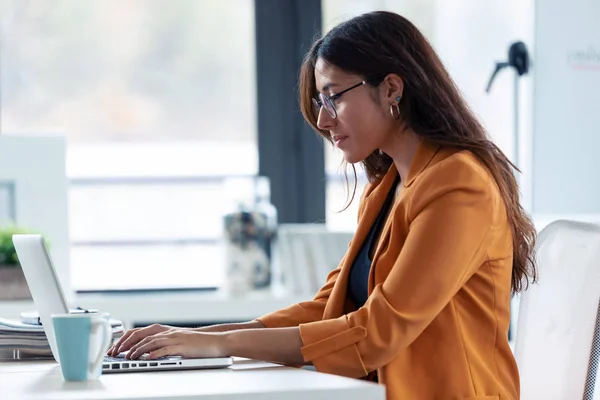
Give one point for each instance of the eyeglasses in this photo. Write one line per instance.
(328, 102)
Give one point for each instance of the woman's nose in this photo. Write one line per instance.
(324, 120)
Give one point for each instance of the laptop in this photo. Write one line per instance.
(48, 297)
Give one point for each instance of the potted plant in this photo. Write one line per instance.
(13, 285)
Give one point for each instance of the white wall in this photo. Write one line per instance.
(36, 166)
(567, 109)
(559, 113)
(471, 36)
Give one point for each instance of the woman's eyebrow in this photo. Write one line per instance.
(328, 86)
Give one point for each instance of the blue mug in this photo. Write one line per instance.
(82, 341)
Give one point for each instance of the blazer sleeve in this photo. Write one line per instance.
(451, 216)
(309, 311)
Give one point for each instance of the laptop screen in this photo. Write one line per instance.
(45, 288)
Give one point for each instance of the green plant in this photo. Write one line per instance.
(8, 255)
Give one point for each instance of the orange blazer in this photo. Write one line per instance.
(435, 325)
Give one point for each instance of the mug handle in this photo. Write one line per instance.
(106, 339)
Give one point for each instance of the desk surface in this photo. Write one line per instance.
(246, 379)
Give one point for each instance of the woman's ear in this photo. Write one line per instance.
(394, 88)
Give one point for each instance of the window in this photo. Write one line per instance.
(470, 37)
(7, 206)
(158, 105)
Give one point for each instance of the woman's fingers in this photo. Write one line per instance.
(150, 345)
(146, 340)
(134, 336)
(139, 343)
(172, 350)
(113, 351)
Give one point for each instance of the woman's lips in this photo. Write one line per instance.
(339, 139)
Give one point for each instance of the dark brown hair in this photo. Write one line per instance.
(376, 44)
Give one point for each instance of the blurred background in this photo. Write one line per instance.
(151, 107)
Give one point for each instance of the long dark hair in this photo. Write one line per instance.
(376, 44)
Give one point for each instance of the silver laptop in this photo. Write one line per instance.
(49, 298)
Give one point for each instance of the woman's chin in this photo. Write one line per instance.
(353, 158)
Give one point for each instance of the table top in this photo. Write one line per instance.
(245, 379)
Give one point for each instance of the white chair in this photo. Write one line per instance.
(557, 339)
(307, 253)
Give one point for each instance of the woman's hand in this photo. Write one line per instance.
(185, 343)
(280, 345)
(134, 336)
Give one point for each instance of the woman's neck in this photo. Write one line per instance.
(402, 148)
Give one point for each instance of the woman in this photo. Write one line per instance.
(421, 301)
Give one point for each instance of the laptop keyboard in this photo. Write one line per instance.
(114, 359)
(121, 358)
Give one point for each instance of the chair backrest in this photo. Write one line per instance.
(307, 253)
(556, 344)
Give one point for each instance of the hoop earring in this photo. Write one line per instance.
(396, 107)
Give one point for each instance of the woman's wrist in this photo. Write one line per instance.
(228, 343)
(254, 324)
(280, 345)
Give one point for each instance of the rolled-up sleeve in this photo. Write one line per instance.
(451, 217)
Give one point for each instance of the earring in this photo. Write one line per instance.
(395, 108)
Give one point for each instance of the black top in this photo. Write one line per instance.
(358, 281)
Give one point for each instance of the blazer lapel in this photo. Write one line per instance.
(423, 157)
(372, 204)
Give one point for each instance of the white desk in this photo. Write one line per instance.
(245, 380)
